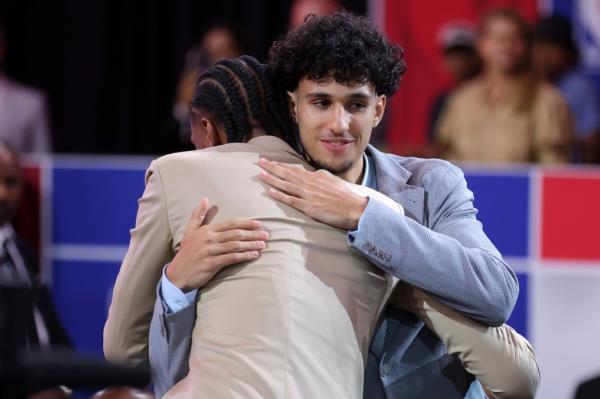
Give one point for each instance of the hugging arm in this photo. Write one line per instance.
(126, 329)
(170, 343)
(501, 359)
(451, 257)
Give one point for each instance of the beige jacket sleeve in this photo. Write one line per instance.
(134, 293)
(501, 359)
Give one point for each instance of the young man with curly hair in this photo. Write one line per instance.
(338, 72)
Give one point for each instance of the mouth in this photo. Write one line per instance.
(337, 144)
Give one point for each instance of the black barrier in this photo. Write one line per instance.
(24, 370)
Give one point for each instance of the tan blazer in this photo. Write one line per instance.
(295, 323)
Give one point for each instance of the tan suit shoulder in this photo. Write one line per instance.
(175, 184)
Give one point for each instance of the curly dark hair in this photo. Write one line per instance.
(342, 46)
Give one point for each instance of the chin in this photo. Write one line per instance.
(334, 167)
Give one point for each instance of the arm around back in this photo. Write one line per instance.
(448, 255)
(134, 294)
(170, 342)
(501, 359)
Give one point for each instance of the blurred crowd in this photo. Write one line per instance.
(518, 95)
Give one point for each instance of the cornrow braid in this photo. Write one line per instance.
(253, 99)
(240, 95)
(215, 101)
(235, 97)
(275, 100)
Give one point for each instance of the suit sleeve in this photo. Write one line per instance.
(134, 294)
(452, 258)
(501, 359)
(170, 343)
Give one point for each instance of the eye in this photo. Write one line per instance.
(322, 104)
(357, 106)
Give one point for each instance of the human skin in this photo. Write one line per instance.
(335, 121)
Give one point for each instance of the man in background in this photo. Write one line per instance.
(555, 59)
(19, 267)
(23, 115)
(219, 41)
(457, 41)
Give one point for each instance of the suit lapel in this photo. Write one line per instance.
(392, 180)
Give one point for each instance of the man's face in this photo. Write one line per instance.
(11, 186)
(335, 122)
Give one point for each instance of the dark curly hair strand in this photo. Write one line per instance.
(342, 46)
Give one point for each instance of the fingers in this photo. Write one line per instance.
(236, 224)
(233, 247)
(200, 212)
(281, 185)
(289, 173)
(294, 202)
(233, 258)
(198, 215)
(241, 235)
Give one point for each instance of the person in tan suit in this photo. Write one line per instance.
(297, 322)
(307, 303)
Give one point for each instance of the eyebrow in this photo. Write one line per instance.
(354, 96)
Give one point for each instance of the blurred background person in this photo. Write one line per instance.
(301, 8)
(555, 58)
(457, 42)
(23, 115)
(18, 262)
(220, 41)
(506, 115)
(19, 267)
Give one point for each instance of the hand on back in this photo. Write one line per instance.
(207, 248)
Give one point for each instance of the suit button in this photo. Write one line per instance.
(384, 370)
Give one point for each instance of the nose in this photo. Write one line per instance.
(340, 119)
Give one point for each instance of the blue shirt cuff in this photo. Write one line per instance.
(173, 299)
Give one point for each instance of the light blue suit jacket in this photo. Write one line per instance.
(439, 247)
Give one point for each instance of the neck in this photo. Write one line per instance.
(498, 77)
(257, 132)
(499, 85)
(355, 173)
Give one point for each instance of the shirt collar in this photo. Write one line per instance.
(367, 179)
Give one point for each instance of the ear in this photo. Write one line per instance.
(204, 132)
(213, 136)
(379, 109)
(293, 105)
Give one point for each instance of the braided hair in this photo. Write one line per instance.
(240, 94)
